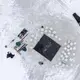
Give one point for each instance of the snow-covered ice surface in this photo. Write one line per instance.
(31, 14)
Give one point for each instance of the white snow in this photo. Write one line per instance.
(14, 16)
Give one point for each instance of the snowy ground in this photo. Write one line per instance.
(17, 14)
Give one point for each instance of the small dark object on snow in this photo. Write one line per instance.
(77, 18)
(24, 49)
(18, 43)
(22, 33)
(5, 46)
(41, 63)
(13, 40)
(42, 26)
(10, 55)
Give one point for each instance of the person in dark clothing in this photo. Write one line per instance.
(10, 55)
